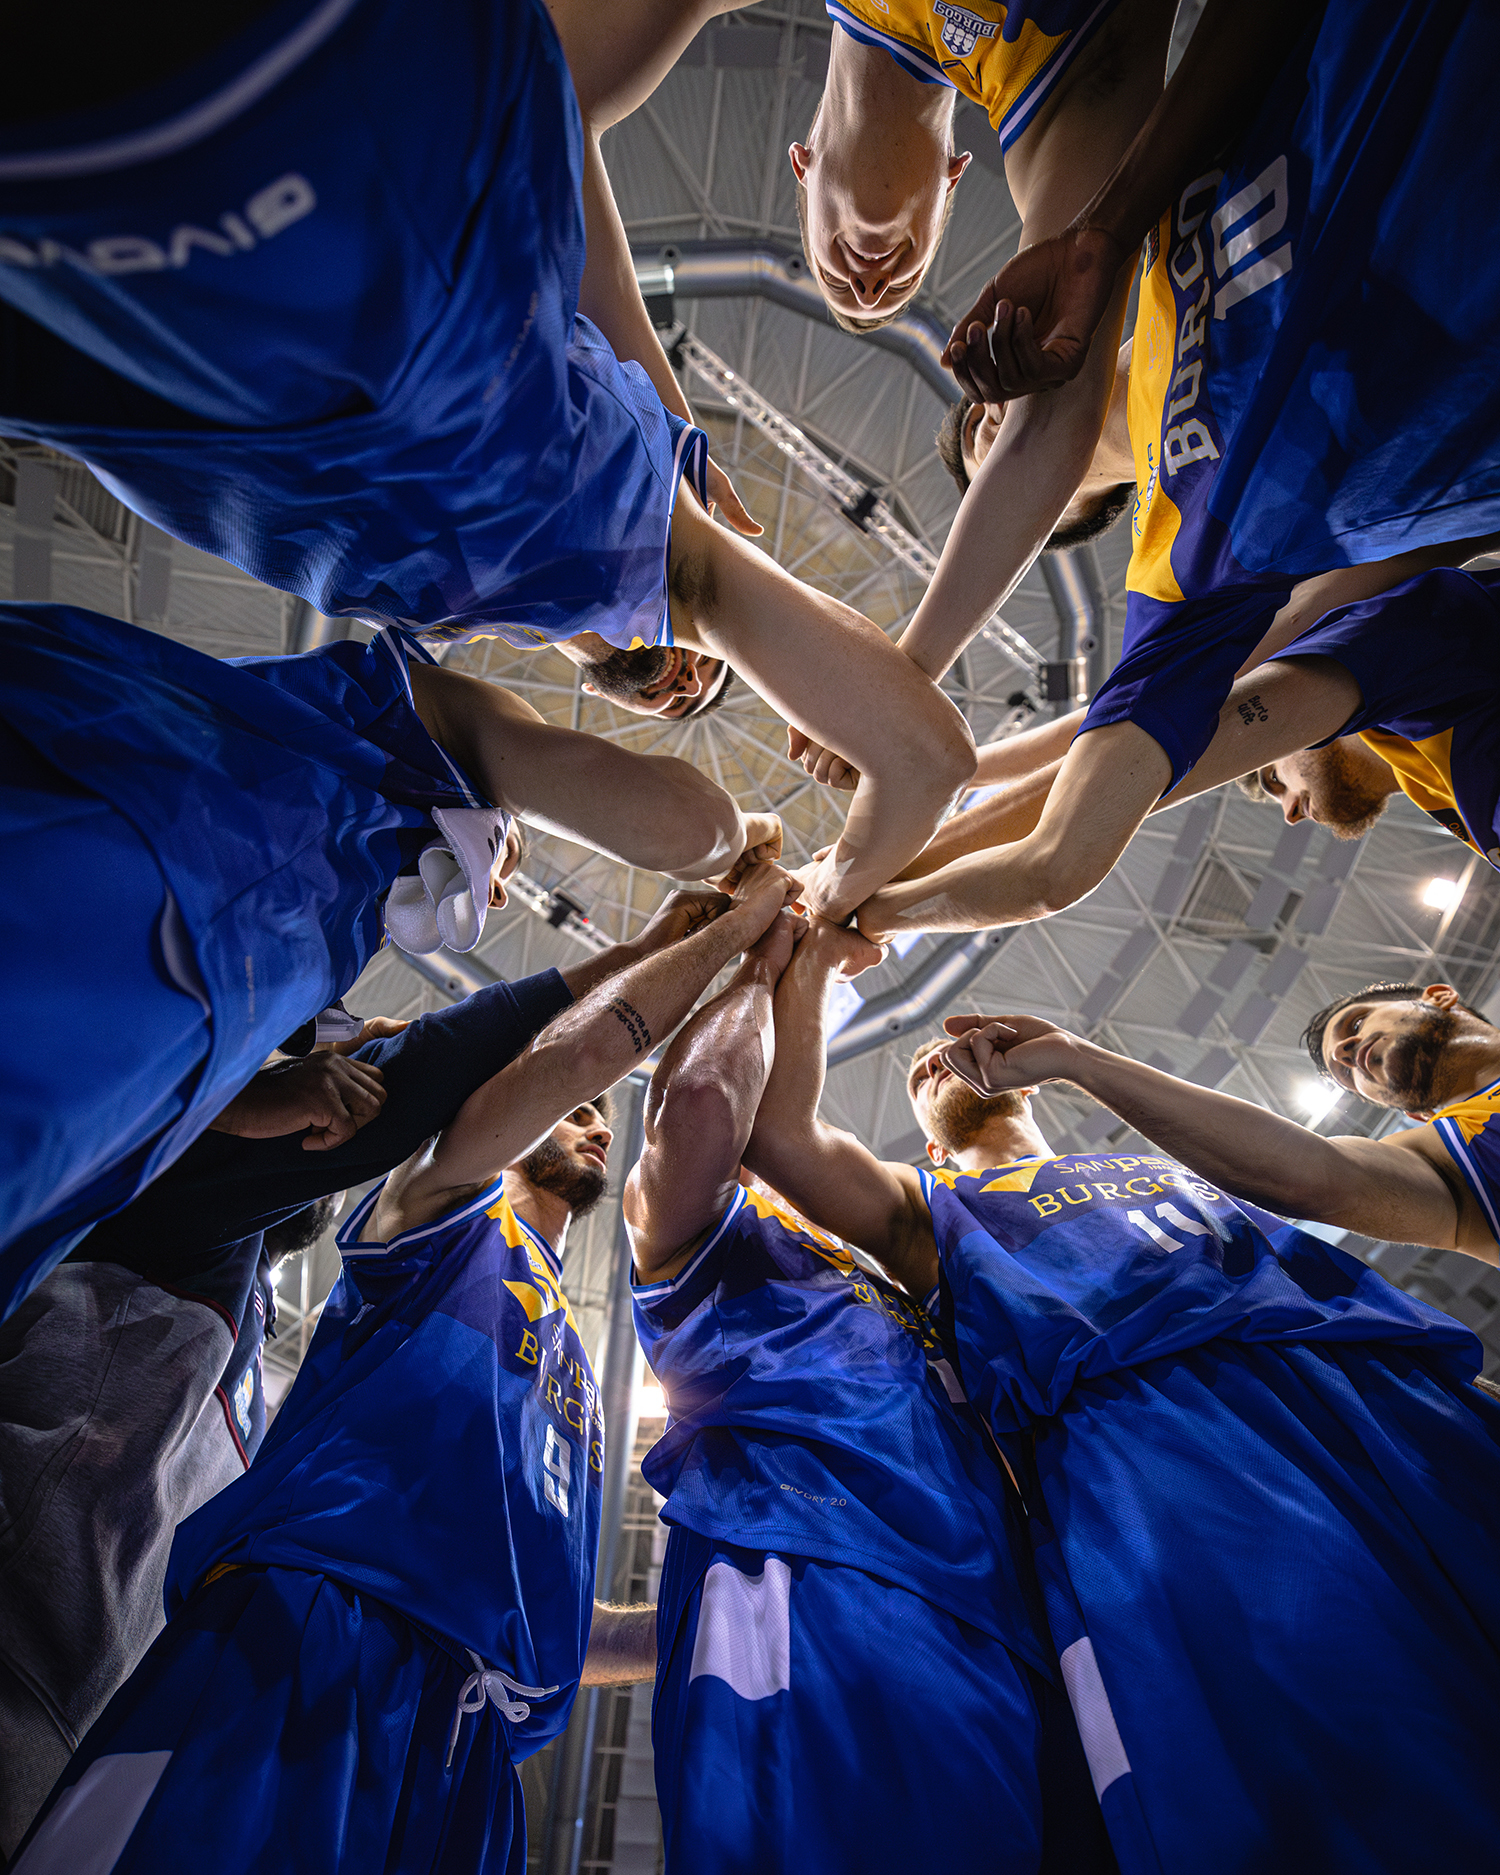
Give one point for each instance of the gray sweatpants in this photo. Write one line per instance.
(110, 1434)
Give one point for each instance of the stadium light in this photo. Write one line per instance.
(1442, 894)
(1317, 1100)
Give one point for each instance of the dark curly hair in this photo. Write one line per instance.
(1312, 1035)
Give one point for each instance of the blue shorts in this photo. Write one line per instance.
(280, 1722)
(1273, 1577)
(196, 857)
(812, 1717)
(100, 1045)
(311, 307)
(1178, 666)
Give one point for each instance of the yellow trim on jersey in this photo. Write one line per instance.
(1473, 1112)
(995, 75)
(544, 1296)
(1153, 359)
(1425, 772)
(826, 1247)
(1018, 1177)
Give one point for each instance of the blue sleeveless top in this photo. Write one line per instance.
(1061, 1270)
(441, 1449)
(1273, 439)
(813, 1412)
(334, 338)
(279, 796)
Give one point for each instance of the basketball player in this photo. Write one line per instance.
(1066, 85)
(1273, 443)
(1392, 694)
(1420, 1051)
(838, 1527)
(392, 1607)
(249, 829)
(306, 295)
(1262, 1490)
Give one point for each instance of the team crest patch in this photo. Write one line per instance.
(244, 1393)
(962, 30)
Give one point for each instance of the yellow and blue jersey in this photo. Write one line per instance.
(1263, 1494)
(1470, 1129)
(1009, 60)
(813, 1412)
(442, 1450)
(1067, 1269)
(1426, 656)
(1272, 440)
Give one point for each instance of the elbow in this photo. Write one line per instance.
(705, 851)
(952, 754)
(1057, 880)
(934, 760)
(698, 836)
(705, 1108)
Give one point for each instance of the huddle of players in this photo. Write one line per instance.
(1190, 1397)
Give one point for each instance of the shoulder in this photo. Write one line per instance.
(385, 1225)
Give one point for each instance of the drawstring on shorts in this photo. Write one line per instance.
(490, 1683)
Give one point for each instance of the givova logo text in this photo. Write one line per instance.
(289, 198)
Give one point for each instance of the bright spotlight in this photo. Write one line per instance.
(652, 1403)
(1442, 894)
(1317, 1100)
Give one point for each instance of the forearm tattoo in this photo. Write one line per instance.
(625, 1012)
(1252, 710)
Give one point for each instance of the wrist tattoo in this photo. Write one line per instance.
(1252, 710)
(625, 1012)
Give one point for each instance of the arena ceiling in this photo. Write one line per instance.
(1208, 946)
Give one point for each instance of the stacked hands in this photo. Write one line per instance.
(329, 1095)
(770, 897)
(1000, 1054)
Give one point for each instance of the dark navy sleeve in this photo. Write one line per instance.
(223, 1188)
(1424, 655)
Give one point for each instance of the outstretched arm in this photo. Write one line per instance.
(677, 917)
(586, 1048)
(826, 1173)
(1279, 709)
(837, 678)
(1407, 1188)
(1031, 328)
(1042, 453)
(1105, 786)
(700, 1109)
(1046, 445)
(1009, 814)
(651, 811)
(617, 56)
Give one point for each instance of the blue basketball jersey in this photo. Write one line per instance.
(1426, 656)
(1066, 1269)
(812, 1411)
(1263, 1502)
(279, 796)
(1009, 60)
(311, 307)
(1470, 1129)
(442, 1449)
(1273, 436)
